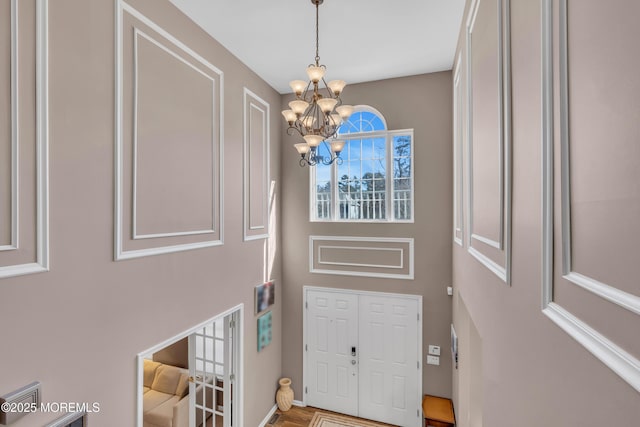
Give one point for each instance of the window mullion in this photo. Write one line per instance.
(389, 177)
(313, 203)
(335, 203)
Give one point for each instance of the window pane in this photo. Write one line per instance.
(323, 187)
(367, 149)
(379, 148)
(402, 167)
(401, 145)
(355, 171)
(355, 149)
(402, 198)
(362, 121)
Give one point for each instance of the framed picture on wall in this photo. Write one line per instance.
(264, 330)
(454, 347)
(265, 296)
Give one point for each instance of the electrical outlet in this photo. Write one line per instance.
(433, 360)
(450, 290)
(434, 349)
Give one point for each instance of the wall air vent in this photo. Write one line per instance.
(19, 403)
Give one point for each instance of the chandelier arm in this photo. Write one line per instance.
(329, 91)
(290, 130)
(306, 92)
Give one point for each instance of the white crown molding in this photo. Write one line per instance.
(251, 100)
(609, 353)
(405, 240)
(119, 253)
(503, 244)
(42, 142)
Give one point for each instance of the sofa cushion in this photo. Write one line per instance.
(167, 379)
(145, 389)
(153, 399)
(183, 385)
(150, 368)
(162, 415)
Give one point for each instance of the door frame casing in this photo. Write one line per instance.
(238, 392)
(307, 288)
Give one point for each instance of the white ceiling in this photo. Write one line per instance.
(360, 40)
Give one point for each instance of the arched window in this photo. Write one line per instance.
(374, 182)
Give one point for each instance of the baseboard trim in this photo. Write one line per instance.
(272, 411)
(299, 403)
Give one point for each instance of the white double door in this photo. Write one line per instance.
(363, 355)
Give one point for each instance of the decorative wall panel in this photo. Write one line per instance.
(256, 166)
(488, 136)
(8, 126)
(24, 218)
(362, 256)
(458, 158)
(169, 142)
(590, 128)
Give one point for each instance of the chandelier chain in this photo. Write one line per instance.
(317, 35)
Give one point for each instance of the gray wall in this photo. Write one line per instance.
(533, 372)
(78, 328)
(420, 102)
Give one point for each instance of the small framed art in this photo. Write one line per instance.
(265, 296)
(264, 330)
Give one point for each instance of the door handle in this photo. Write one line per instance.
(353, 351)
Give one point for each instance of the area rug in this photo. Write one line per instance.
(323, 419)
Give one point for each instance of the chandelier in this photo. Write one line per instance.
(317, 112)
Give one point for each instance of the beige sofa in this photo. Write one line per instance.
(165, 398)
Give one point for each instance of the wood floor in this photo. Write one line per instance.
(299, 417)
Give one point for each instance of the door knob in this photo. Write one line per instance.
(353, 362)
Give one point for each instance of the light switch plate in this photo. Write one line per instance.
(450, 290)
(433, 360)
(434, 349)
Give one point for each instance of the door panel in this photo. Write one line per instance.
(332, 322)
(211, 369)
(381, 381)
(389, 355)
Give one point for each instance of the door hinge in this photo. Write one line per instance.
(418, 362)
(418, 316)
(418, 413)
(306, 347)
(306, 304)
(306, 390)
(232, 377)
(232, 324)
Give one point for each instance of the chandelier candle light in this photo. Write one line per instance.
(317, 113)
